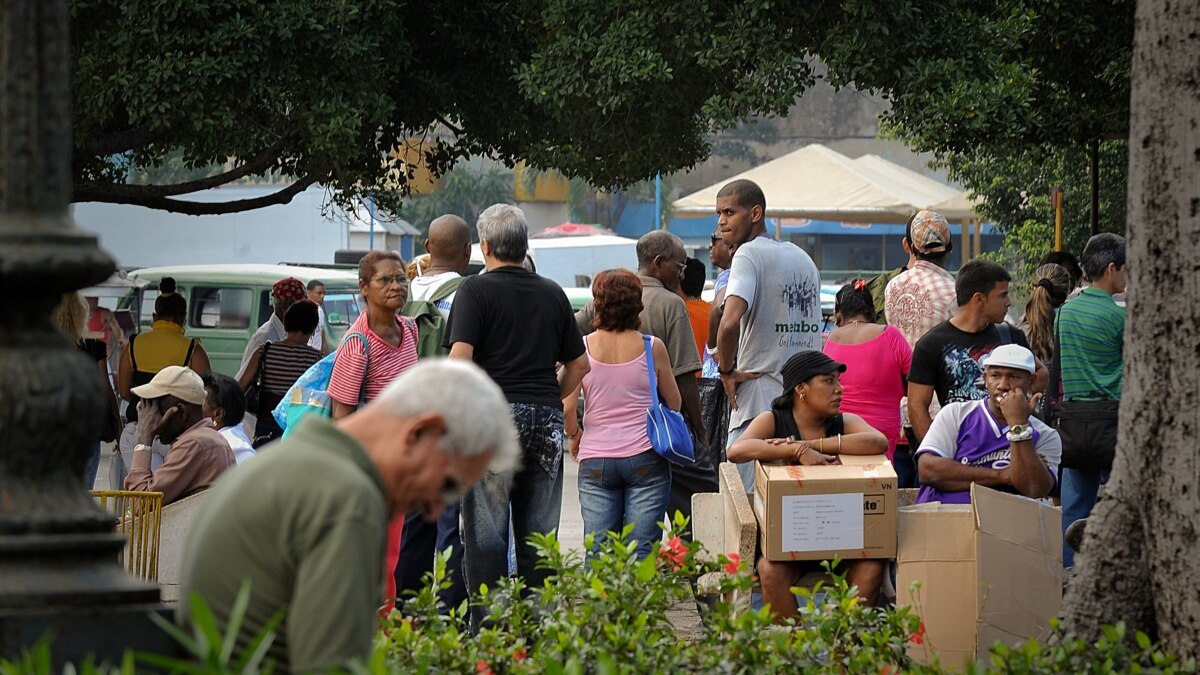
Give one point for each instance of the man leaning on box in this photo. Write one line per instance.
(993, 441)
(805, 426)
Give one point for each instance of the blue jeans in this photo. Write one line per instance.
(1080, 487)
(629, 490)
(745, 469)
(532, 497)
(93, 466)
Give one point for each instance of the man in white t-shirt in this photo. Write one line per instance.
(449, 248)
(772, 308)
(316, 293)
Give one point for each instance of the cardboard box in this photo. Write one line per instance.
(819, 512)
(990, 570)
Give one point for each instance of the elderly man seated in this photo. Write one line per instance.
(172, 410)
(994, 441)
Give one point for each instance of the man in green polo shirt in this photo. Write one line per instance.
(1091, 333)
(306, 521)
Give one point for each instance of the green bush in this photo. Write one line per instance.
(610, 613)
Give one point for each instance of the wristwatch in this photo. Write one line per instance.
(1019, 432)
(142, 447)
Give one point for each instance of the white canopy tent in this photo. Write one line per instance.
(924, 192)
(813, 182)
(822, 184)
(817, 183)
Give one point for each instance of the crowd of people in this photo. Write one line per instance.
(425, 453)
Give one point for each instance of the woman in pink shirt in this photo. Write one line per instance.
(877, 359)
(622, 481)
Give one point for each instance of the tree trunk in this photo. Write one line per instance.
(1141, 557)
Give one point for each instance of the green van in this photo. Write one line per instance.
(227, 303)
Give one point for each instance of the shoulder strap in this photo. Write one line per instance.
(1005, 332)
(132, 352)
(650, 367)
(447, 289)
(262, 360)
(362, 390)
(1055, 366)
(187, 358)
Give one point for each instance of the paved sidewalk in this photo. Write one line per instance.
(570, 523)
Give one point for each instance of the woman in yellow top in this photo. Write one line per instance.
(147, 353)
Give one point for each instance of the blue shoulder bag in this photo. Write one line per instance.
(666, 428)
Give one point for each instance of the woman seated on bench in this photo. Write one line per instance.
(805, 426)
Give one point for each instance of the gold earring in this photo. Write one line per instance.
(801, 397)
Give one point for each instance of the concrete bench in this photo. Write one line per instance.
(177, 520)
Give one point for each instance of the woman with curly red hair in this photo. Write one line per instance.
(622, 481)
(877, 360)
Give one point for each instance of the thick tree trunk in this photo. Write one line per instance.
(1141, 558)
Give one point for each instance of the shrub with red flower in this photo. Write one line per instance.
(918, 638)
(674, 552)
(735, 562)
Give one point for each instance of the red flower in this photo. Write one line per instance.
(520, 654)
(735, 561)
(674, 552)
(483, 668)
(886, 670)
(918, 638)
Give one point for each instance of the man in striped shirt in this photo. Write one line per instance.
(1091, 332)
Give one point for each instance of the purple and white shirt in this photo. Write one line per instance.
(966, 432)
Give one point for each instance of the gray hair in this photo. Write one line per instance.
(477, 415)
(503, 226)
(656, 243)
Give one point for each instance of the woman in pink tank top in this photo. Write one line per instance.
(622, 481)
(877, 359)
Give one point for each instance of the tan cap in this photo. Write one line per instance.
(181, 382)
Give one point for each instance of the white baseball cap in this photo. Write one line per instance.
(1011, 356)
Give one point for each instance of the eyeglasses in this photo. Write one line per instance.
(386, 281)
(681, 263)
(715, 239)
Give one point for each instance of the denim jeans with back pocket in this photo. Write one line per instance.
(532, 497)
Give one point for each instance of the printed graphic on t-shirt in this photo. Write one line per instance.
(802, 299)
(964, 374)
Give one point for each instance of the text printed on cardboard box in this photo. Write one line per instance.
(822, 522)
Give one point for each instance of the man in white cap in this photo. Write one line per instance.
(171, 410)
(993, 441)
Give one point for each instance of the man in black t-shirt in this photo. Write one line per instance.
(946, 360)
(518, 327)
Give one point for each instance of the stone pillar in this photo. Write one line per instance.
(58, 551)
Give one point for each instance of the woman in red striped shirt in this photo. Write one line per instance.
(365, 365)
(363, 368)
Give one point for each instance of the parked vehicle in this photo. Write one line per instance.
(227, 303)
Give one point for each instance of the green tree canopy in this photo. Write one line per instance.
(1007, 94)
(322, 91)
